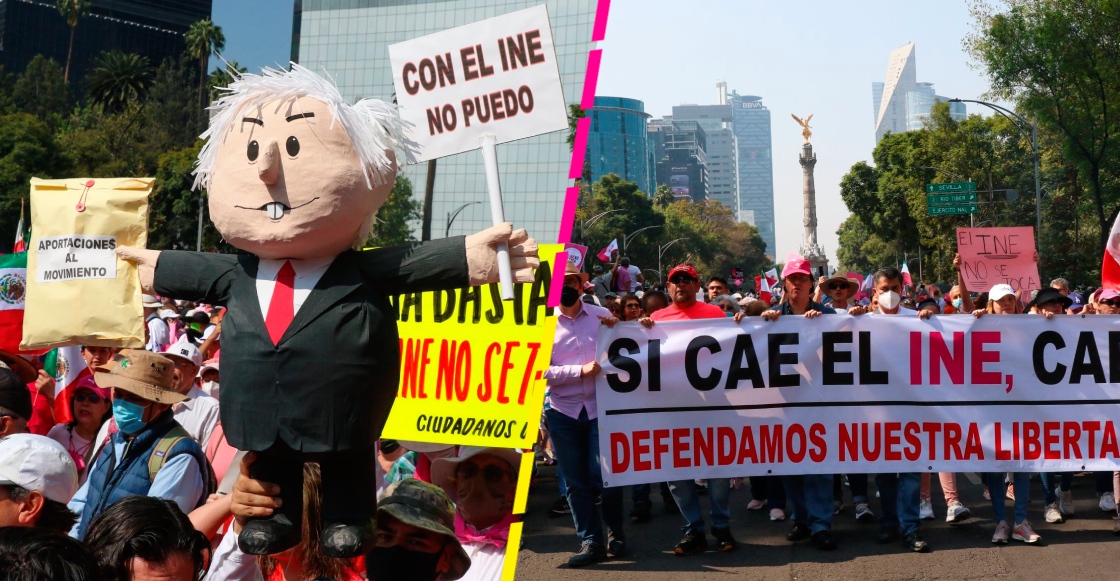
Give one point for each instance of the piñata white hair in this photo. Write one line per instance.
(373, 125)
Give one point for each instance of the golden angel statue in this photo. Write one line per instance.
(805, 130)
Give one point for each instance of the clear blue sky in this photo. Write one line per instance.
(816, 56)
(258, 32)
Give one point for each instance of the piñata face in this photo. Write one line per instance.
(288, 184)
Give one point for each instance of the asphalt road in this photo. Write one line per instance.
(1080, 549)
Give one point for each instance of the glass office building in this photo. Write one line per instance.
(349, 40)
(617, 141)
(151, 29)
(720, 150)
(751, 124)
(919, 105)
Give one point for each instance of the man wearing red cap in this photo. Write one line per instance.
(684, 284)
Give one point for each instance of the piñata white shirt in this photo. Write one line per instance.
(308, 273)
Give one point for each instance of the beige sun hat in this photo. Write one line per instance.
(143, 373)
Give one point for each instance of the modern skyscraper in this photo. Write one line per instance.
(617, 141)
(890, 99)
(721, 153)
(751, 125)
(151, 29)
(902, 103)
(349, 39)
(919, 105)
(681, 165)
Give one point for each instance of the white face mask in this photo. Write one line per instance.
(210, 387)
(889, 300)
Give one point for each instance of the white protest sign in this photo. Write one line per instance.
(497, 76)
(78, 257)
(857, 395)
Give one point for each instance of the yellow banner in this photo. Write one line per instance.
(472, 366)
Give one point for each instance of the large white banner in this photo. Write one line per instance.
(497, 76)
(868, 394)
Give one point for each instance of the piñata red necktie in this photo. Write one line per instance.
(282, 307)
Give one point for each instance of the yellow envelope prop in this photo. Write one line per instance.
(78, 292)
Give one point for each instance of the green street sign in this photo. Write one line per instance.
(950, 187)
(966, 198)
(954, 209)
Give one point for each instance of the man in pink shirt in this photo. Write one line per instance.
(684, 284)
(573, 423)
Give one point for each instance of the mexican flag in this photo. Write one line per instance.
(21, 239)
(13, 291)
(67, 366)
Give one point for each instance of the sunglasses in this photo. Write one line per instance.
(634, 306)
(491, 473)
(683, 280)
(83, 396)
(1111, 303)
(837, 286)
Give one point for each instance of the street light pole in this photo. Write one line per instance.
(626, 239)
(452, 215)
(591, 222)
(1021, 124)
(661, 251)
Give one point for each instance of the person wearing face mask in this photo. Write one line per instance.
(959, 295)
(573, 424)
(150, 454)
(210, 377)
(482, 483)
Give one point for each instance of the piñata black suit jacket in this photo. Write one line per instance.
(330, 382)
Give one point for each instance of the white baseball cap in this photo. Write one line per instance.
(152, 302)
(169, 314)
(999, 291)
(38, 463)
(185, 350)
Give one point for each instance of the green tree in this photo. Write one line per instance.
(222, 77)
(118, 79)
(28, 148)
(574, 115)
(72, 11)
(174, 114)
(41, 90)
(662, 196)
(203, 38)
(173, 208)
(393, 222)
(1059, 60)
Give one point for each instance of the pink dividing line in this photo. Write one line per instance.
(600, 30)
(568, 218)
(559, 264)
(591, 80)
(583, 127)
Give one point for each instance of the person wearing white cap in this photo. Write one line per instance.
(199, 414)
(158, 335)
(37, 479)
(482, 482)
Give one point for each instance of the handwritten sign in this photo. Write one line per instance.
(497, 76)
(472, 365)
(991, 256)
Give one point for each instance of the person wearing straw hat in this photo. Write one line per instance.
(573, 424)
(840, 289)
(159, 337)
(150, 454)
(482, 482)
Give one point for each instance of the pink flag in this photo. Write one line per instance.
(605, 254)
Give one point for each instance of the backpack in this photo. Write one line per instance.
(164, 445)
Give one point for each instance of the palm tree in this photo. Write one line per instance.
(72, 11)
(204, 37)
(222, 77)
(117, 79)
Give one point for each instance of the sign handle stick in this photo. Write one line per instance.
(489, 143)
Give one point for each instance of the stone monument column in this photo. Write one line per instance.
(810, 248)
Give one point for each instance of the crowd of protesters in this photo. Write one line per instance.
(137, 482)
(570, 431)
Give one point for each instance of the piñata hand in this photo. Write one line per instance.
(482, 254)
(145, 261)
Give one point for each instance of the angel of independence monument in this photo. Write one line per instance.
(810, 249)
